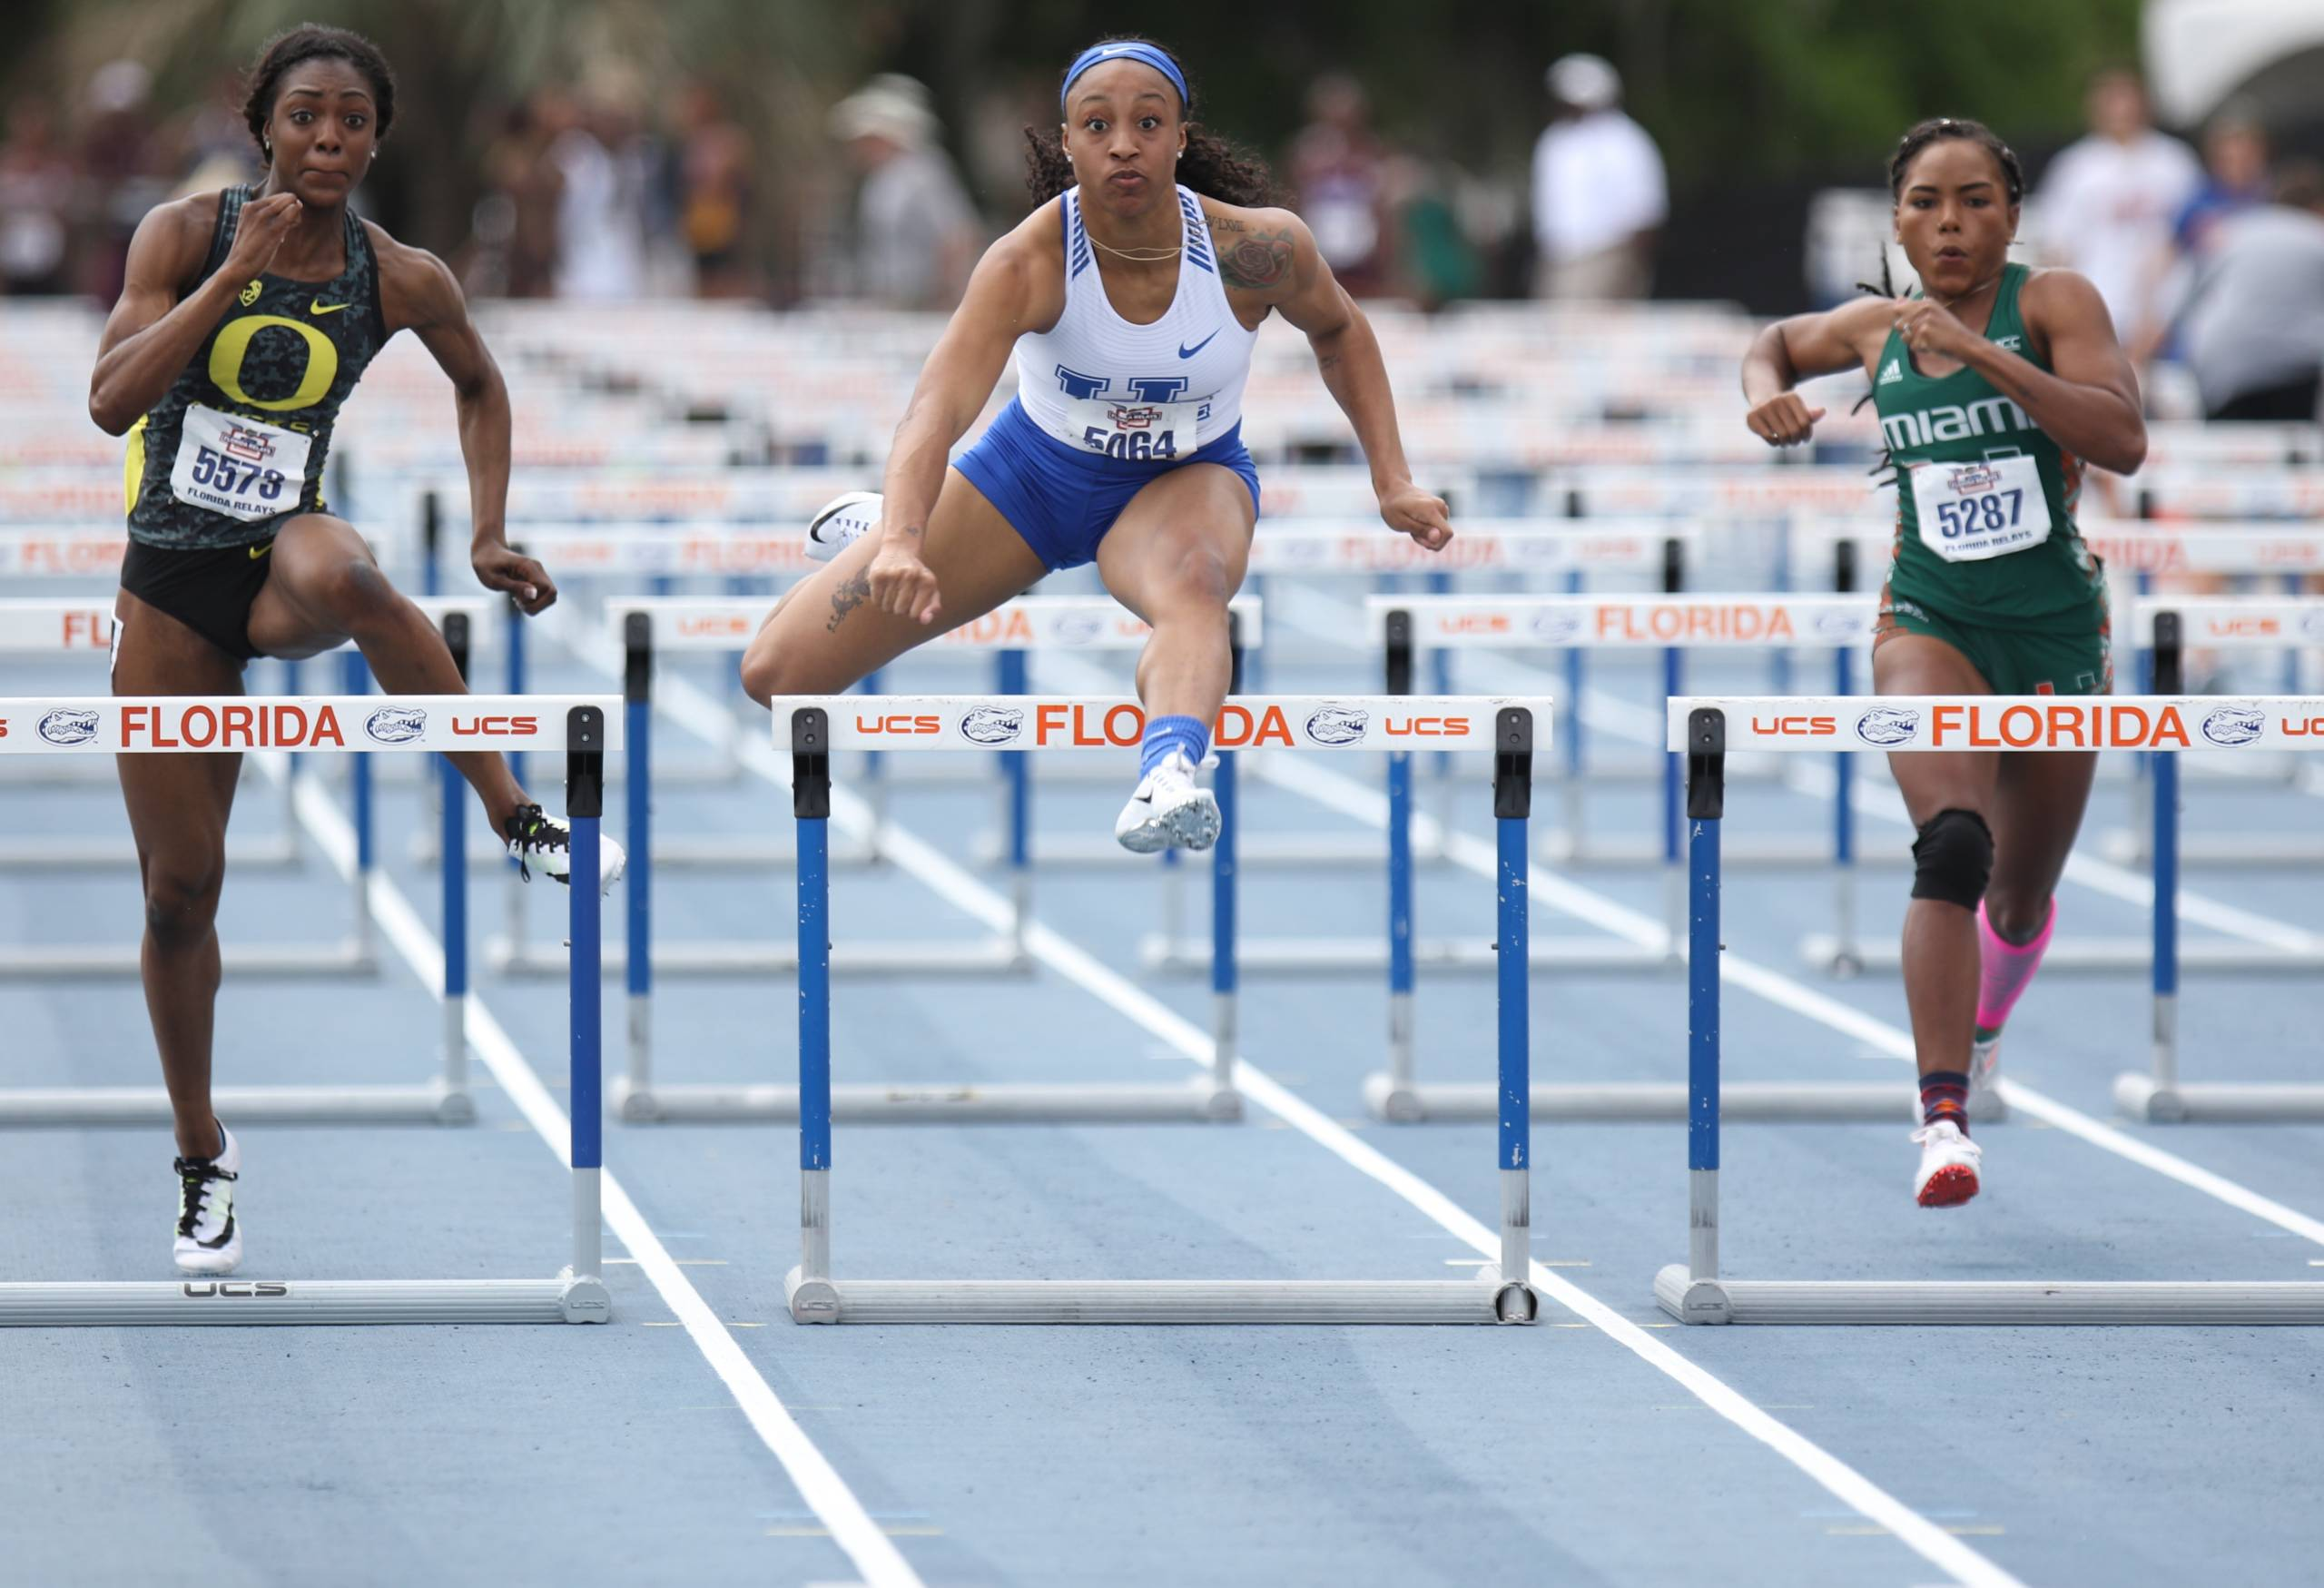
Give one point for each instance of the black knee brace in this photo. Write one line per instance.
(1952, 859)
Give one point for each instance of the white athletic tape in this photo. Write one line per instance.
(1534, 545)
(2245, 622)
(35, 627)
(1071, 623)
(1595, 622)
(107, 724)
(1073, 722)
(2009, 722)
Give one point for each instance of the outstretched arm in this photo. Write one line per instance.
(1275, 255)
(1800, 349)
(1000, 305)
(417, 289)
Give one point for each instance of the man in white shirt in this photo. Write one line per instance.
(2107, 203)
(1599, 190)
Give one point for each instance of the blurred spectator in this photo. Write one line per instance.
(1598, 189)
(916, 233)
(601, 202)
(118, 164)
(1438, 260)
(1339, 173)
(2235, 179)
(36, 198)
(2254, 330)
(715, 196)
(2108, 201)
(515, 222)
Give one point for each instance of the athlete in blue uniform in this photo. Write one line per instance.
(246, 319)
(1130, 296)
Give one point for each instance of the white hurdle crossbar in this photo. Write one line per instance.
(812, 728)
(577, 728)
(1706, 730)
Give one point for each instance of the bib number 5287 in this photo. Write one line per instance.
(1980, 515)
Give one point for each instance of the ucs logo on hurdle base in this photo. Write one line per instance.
(231, 1288)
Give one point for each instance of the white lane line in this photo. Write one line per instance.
(693, 709)
(1475, 855)
(867, 1548)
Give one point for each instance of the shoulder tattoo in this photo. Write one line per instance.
(1251, 258)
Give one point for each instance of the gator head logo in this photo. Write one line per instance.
(1838, 624)
(1556, 625)
(395, 725)
(2230, 725)
(1886, 727)
(1338, 725)
(2309, 625)
(1078, 628)
(992, 724)
(68, 725)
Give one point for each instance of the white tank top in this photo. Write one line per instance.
(1139, 393)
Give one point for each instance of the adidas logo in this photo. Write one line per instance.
(1891, 373)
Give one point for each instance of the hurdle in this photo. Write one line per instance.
(2159, 1096)
(579, 726)
(2165, 624)
(443, 1100)
(1706, 730)
(811, 728)
(1076, 622)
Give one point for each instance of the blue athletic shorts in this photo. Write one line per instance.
(1062, 500)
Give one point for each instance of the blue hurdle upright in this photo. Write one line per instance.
(812, 728)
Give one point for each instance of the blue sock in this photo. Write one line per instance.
(1164, 734)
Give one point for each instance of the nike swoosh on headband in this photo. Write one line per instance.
(1188, 352)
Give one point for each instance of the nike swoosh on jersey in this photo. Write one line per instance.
(1188, 352)
(319, 306)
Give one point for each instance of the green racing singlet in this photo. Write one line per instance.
(237, 443)
(1985, 533)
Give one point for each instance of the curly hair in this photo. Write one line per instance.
(313, 41)
(1210, 166)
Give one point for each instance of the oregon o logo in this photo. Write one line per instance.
(232, 347)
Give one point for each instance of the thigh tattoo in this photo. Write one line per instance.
(852, 592)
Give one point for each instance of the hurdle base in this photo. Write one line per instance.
(57, 854)
(2101, 955)
(1293, 956)
(968, 956)
(1324, 851)
(434, 1104)
(2218, 1102)
(246, 1303)
(1483, 1300)
(1656, 1102)
(108, 961)
(678, 852)
(2130, 849)
(1196, 1103)
(1998, 1303)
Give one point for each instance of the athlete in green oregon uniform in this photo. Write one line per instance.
(245, 320)
(1992, 383)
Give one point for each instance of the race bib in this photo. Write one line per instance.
(244, 469)
(1135, 432)
(1969, 512)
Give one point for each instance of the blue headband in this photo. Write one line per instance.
(1146, 54)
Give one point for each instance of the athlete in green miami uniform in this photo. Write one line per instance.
(1994, 384)
(246, 319)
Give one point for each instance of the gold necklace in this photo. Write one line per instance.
(1141, 255)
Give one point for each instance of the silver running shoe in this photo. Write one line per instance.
(1169, 811)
